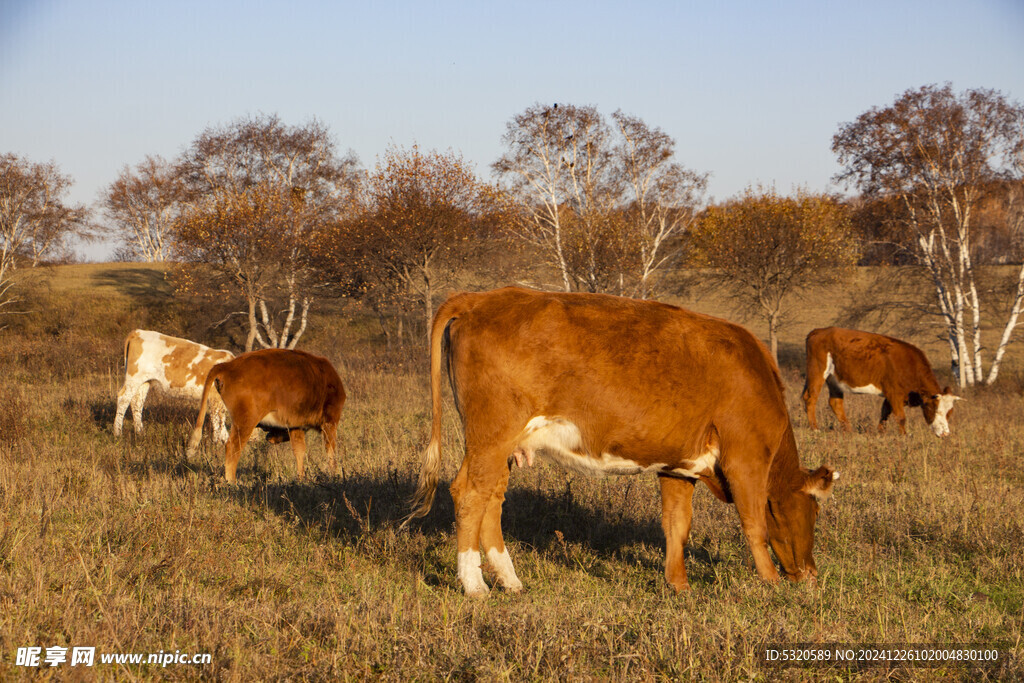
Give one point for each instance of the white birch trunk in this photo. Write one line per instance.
(1011, 323)
(306, 301)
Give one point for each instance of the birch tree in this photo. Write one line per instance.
(559, 166)
(235, 239)
(142, 205)
(934, 152)
(35, 221)
(604, 204)
(263, 164)
(662, 198)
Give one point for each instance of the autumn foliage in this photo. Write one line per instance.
(416, 226)
(258, 195)
(766, 248)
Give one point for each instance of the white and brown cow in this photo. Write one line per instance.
(178, 366)
(284, 392)
(603, 384)
(868, 363)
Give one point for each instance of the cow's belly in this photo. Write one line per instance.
(272, 419)
(866, 389)
(182, 391)
(559, 441)
(831, 376)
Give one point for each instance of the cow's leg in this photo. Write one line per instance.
(893, 405)
(474, 487)
(835, 402)
(124, 398)
(138, 400)
(241, 428)
(330, 432)
(676, 517)
(492, 541)
(298, 438)
(749, 489)
(812, 387)
(886, 412)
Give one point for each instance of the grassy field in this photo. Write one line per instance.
(129, 546)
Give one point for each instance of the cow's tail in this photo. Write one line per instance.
(127, 345)
(197, 431)
(423, 499)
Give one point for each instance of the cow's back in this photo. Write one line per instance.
(295, 383)
(178, 365)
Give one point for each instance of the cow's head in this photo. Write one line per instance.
(791, 521)
(937, 408)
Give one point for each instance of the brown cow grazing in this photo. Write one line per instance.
(281, 391)
(603, 384)
(867, 363)
(178, 366)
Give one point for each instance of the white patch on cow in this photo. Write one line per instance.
(559, 441)
(829, 366)
(703, 466)
(501, 563)
(272, 420)
(470, 575)
(866, 389)
(830, 371)
(940, 425)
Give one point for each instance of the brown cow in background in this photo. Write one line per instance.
(867, 363)
(603, 384)
(282, 391)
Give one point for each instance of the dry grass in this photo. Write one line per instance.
(130, 546)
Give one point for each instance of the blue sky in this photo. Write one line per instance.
(752, 91)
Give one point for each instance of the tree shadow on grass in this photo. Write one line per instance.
(135, 283)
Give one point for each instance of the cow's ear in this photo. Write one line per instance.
(819, 482)
(949, 392)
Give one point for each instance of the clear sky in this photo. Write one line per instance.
(751, 90)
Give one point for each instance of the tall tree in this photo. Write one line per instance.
(235, 238)
(35, 221)
(661, 196)
(261, 164)
(142, 205)
(766, 249)
(558, 164)
(417, 224)
(934, 152)
(603, 204)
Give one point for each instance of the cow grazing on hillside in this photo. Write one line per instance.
(603, 384)
(282, 391)
(867, 363)
(178, 366)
